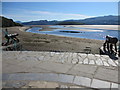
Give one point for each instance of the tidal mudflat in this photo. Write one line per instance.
(50, 42)
(97, 32)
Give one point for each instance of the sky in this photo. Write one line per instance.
(32, 11)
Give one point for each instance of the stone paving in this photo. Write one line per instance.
(57, 69)
(38, 84)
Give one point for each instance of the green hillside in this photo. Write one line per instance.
(8, 22)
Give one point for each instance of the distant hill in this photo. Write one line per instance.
(8, 22)
(41, 22)
(70, 23)
(103, 20)
(18, 22)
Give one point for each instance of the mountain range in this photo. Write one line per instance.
(102, 20)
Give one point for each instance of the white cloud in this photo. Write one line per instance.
(27, 15)
(40, 12)
(77, 16)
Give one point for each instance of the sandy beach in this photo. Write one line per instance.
(40, 42)
(112, 27)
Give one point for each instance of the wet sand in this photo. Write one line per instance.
(40, 42)
(109, 27)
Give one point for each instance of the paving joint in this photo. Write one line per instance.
(67, 65)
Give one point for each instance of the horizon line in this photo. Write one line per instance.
(57, 20)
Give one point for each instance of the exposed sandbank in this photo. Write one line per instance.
(42, 42)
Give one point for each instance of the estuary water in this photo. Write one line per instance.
(77, 32)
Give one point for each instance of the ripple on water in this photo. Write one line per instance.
(89, 33)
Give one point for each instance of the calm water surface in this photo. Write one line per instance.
(91, 33)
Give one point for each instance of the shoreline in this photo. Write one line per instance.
(43, 42)
(76, 28)
(44, 28)
(113, 27)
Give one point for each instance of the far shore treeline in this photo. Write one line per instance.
(69, 23)
(103, 20)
